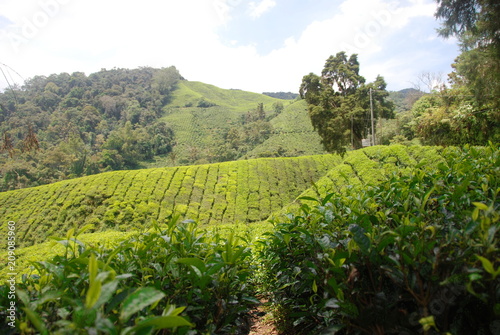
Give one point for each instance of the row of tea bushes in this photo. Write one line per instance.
(231, 192)
(413, 252)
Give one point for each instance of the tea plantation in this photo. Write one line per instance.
(385, 240)
(230, 192)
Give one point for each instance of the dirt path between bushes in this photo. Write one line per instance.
(261, 322)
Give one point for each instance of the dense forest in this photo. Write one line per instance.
(64, 125)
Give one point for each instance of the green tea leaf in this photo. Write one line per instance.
(93, 294)
(488, 266)
(85, 228)
(426, 198)
(92, 268)
(309, 198)
(107, 291)
(36, 321)
(196, 263)
(163, 322)
(138, 300)
(360, 237)
(427, 322)
(23, 296)
(480, 206)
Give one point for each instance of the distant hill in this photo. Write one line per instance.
(211, 124)
(282, 95)
(404, 99)
(124, 119)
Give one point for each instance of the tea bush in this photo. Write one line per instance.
(414, 253)
(135, 286)
(121, 200)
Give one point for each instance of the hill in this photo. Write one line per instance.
(212, 124)
(222, 193)
(390, 212)
(71, 125)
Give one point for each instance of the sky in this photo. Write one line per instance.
(258, 46)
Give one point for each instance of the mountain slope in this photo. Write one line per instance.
(202, 115)
(293, 134)
(190, 92)
(230, 192)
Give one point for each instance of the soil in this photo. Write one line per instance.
(261, 322)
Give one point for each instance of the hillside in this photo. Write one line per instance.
(390, 212)
(203, 115)
(71, 125)
(189, 93)
(222, 193)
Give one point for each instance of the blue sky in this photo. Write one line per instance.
(260, 45)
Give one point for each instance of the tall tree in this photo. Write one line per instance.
(338, 102)
(476, 24)
(470, 18)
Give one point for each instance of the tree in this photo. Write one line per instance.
(476, 24)
(30, 141)
(261, 114)
(165, 79)
(472, 20)
(278, 108)
(8, 145)
(339, 102)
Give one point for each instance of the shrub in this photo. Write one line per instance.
(414, 253)
(135, 287)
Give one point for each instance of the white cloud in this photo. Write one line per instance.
(258, 9)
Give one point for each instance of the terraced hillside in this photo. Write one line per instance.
(231, 192)
(369, 166)
(293, 134)
(200, 114)
(223, 194)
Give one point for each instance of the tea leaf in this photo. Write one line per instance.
(196, 263)
(480, 206)
(488, 266)
(427, 322)
(93, 294)
(36, 321)
(107, 291)
(162, 322)
(138, 300)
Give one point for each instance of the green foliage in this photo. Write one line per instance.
(454, 117)
(134, 286)
(282, 95)
(414, 251)
(477, 69)
(231, 127)
(83, 125)
(392, 239)
(123, 200)
(339, 104)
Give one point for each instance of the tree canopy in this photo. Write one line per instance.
(69, 125)
(339, 102)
